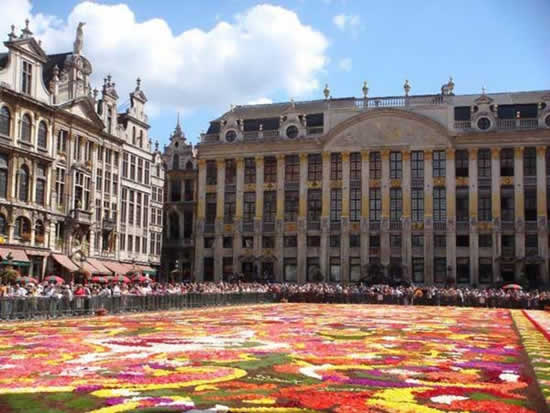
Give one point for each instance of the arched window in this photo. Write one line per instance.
(39, 232)
(176, 162)
(133, 135)
(189, 166)
(23, 176)
(42, 135)
(174, 225)
(5, 121)
(26, 127)
(3, 225)
(22, 228)
(3, 176)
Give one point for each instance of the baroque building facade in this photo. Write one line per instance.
(430, 187)
(76, 176)
(179, 208)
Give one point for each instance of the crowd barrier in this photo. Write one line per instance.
(435, 300)
(28, 308)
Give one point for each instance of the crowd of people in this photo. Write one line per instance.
(310, 292)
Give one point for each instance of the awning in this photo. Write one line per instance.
(65, 262)
(86, 266)
(100, 266)
(146, 269)
(38, 253)
(18, 257)
(115, 266)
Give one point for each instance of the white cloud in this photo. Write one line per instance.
(345, 64)
(351, 23)
(262, 50)
(260, 101)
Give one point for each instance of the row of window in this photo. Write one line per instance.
(22, 229)
(315, 167)
(137, 244)
(136, 168)
(106, 182)
(134, 208)
(314, 205)
(25, 131)
(417, 240)
(157, 194)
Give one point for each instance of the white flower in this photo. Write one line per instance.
(447, 399)
(509, 377)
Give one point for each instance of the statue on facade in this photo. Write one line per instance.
(79, 41)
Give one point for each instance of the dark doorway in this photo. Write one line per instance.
(532, 274)
(507, 273)
(268, 271)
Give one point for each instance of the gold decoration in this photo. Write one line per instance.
(427, 155)
(269, 186)
(395, 183)
(355, 226)
(406, 155)
(228, 228)
(313, 184)
(462, 181)
(439, 181)
(290, 227)
(210, 188)
(374, 183)
(336, 184)
(506, 180)
(250, 187)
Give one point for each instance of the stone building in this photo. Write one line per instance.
(179, 207)
(430, 187)
(63, 166)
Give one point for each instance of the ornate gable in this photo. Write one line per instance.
(386, 127)
(83, 108)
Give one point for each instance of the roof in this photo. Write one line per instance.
(53, 59)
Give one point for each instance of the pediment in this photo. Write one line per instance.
(83, 108)
(386, 128)
(31, 47)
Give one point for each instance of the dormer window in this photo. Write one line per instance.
(26, 78)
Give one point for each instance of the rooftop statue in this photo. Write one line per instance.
(79, 41)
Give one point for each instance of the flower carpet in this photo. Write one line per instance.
(279, 358)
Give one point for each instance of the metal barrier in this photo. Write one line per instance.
(29, 308)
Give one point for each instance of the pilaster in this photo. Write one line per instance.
(542, 218)
(385, 221)
(199, 225)
(406, 237)
(519, 207)
(473, 205)
(325, 214)
(364, 208)
(279, 230)
(302, 216)
(428, 220)
(495, 210)
(220, 198)
(450, 184)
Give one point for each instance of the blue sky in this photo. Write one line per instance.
(500, 44)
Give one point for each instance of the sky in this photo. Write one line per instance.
(197, 58)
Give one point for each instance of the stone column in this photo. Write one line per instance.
(325, 216)
(220, 198)
(542, 217)
(519, 210)
(472, 207)
(364, 208)
(13, 167)
(302, 224)
(279, 221)
(345, 227)
(259, 207)
(237, 221)
(495, 210)
(450, 184)
(32, 183)
(428, 220)
(199, 225)
(385, 251)
(406, 235)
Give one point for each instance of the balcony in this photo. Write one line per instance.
(314, 226)
(440, 226)
(374, 226)
(395, 226)
(109, 224)
(81, 216)
(508, 251)
(398, 101)
(463, 124)
(315, 130)
(248, 226)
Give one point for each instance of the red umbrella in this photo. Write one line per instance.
(512, 287)
(97, 279)
(26, 280)
(140, 278)
(118, 278)
(55, 279)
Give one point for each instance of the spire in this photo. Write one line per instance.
(178, 133)
(26, 32)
